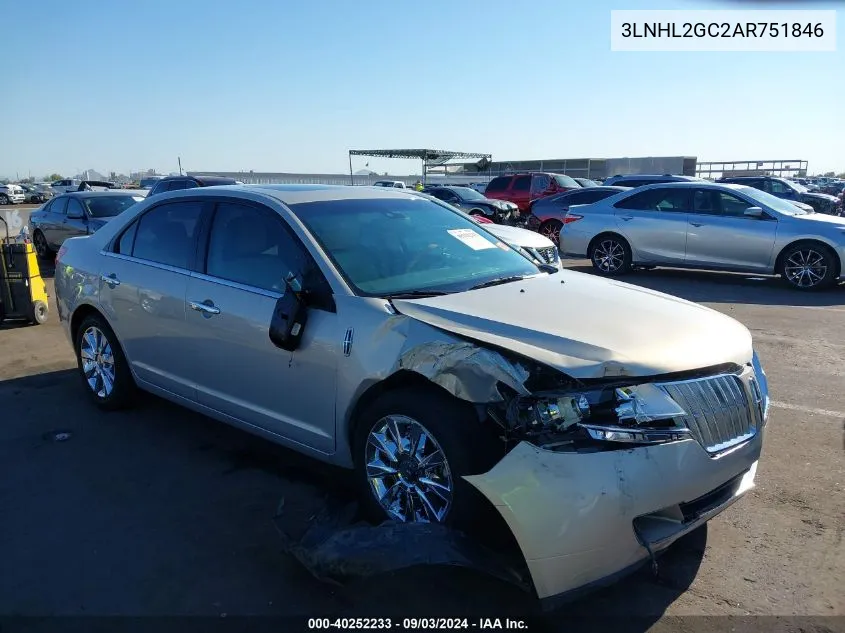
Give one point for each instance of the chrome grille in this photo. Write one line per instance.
(721, 410)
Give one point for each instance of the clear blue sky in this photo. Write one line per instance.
(292, 85)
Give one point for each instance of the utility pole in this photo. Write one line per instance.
(179, 158)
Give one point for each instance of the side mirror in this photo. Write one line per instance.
(289, 316)
(754, 212)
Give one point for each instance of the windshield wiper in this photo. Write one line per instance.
(416, 294)
(498, 281)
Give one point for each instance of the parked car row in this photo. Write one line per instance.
(387, 332)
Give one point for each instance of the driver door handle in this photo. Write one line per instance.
(697, 223)
(626, 217)
(111, 280)
(206, 307)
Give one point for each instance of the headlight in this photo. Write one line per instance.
(761, 383)
(642, 414)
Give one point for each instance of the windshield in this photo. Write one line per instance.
(773, 202)
(465, 193)
(566, 181)
(109, 206)
(797, 186)
(396, 246)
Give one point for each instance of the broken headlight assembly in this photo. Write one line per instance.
(592, 418)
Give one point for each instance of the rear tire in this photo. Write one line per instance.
(809, 266)
(610, 255)
(4, 199)
(551, 229)
(102, 366)
(464, 444)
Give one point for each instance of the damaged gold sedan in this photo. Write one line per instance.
(385, 332)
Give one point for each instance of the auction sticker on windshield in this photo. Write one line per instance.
(472, 239)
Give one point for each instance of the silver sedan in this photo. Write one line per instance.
(709, 226)
(387, 333)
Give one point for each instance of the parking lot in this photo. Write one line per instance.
(160, 511)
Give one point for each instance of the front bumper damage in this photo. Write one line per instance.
(581, 519)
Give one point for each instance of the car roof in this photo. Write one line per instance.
(650, 176)
(94, 194)
(206, 180)
(301, 193)
(687, 184)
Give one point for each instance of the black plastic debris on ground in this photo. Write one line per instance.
(326, 537)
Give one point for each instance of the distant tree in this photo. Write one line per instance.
(53, 177)
(842, 175)
(828, 174)
(27, 180)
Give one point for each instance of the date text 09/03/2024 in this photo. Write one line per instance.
(417, 624)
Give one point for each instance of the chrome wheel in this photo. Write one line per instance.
(97, 362)
(551, 230)
(609, 256)
(407, 471)
(805, 268)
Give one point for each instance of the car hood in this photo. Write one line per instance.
(518, 237)
(589, 327)
(821, 217)
(818, 196)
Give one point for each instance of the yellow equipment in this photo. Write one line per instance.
(23, 293)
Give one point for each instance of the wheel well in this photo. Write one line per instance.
(550, 221)
(817, 244)
(477, 210)
(79, 316)
(602, 236)
(401, 379)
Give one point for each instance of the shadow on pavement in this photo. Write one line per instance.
(719, 287)
(184, 508)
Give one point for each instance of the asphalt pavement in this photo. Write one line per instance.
(160, 511)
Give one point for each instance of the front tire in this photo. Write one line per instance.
(4, 199)
(610, 255)
(102, 365)
(411, 449)
(42, 249)
(809, 266)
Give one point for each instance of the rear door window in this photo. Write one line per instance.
(166, 234)
(59, 206)
(498, 184)
(522, 183)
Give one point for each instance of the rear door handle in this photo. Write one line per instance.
(111, 280)
(626, 217)
(697, 223)
(206, 307)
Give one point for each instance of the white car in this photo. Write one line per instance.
(12, 194)
(397, 184)
(540, 248)
(66, 185)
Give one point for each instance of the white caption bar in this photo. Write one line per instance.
(763, 31)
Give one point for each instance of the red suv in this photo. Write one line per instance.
(523, 189)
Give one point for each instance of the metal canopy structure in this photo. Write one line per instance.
(752, 168)
(429, 157)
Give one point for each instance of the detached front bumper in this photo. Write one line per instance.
(577, 516)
